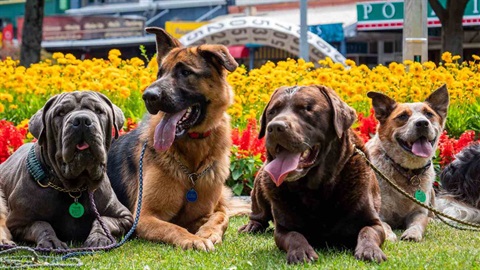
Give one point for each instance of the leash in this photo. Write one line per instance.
(70, 261)
(473, 226)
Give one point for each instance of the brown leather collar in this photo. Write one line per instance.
(412, 175)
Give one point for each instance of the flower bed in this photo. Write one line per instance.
(24, 90)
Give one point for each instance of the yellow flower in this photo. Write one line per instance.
(2, 108)
(475, 57)
(447, 57)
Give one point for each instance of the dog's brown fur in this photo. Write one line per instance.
(331, 197)
(407, 121)
(185, 74)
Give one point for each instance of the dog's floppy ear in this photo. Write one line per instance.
(382, 104)
(263, 118)
(117, 114)
(343, 115)
(36, 124)
(220, 55)
(165, 42)
(439, 101)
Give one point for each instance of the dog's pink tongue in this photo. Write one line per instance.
(165, 131)
(279, 168)
(422, 148)
(82, 146)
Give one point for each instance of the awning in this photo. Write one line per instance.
(238, 51)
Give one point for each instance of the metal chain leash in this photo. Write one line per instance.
(475, 227)
(193, 176)
(15, 262)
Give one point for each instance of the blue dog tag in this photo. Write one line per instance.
(192, 195)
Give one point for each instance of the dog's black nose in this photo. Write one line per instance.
(277, 126)
(81, 120)
(153, 99)
(150, 95)
(422, 123)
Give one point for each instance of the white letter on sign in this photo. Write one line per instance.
(392, 10)
(367, 8)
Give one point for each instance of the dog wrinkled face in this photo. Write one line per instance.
(411, 130)
(297, 121)
(77, 130)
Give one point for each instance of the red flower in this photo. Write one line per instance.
(11, 139)
(367, 126)
(247, 141)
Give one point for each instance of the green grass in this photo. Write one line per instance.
(442, 248)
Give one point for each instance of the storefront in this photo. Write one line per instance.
(378, 34)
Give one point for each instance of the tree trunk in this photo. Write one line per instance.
(32, 32)
(452, 37)
(452, 29)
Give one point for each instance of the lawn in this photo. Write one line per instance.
(443, 248)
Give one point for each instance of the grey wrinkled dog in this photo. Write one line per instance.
(46, 183)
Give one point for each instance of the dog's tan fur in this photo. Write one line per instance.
(166, 216)
(397, 120)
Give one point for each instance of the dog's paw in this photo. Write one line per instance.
(51, 242)
(215, 237)
(7, 242)
(370, 252)
(412, 234)
(97, 240)
(304, 253)
(252, 227)
(197, 243)
(391, 236)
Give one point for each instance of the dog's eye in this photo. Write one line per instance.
(429, 114)
(61, 113)
(308, 108)
(99, 111)
(403, 117)
(186, 72)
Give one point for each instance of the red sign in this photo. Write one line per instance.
(7, 33)
(87, 27)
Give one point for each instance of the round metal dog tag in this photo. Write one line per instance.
(420, 195)
(192, 195)
(76, 210)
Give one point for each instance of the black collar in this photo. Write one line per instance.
(412, 175)
(35, 168)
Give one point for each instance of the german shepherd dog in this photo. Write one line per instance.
(187, 156)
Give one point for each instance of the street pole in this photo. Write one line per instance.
(415, 31)
(303, 31)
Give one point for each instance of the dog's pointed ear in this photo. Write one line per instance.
(343, 115)
(36, 124)
(118, 119)
(382, 104)
(164, 41)
(219, 55)
(439, 100)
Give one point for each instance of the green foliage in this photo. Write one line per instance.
(242, 173)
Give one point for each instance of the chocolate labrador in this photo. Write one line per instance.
(314, 186)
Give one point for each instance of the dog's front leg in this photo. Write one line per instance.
(116, 226)
(261, 210)
(116, 218)
(150, 227)
(369, 241)
(415, 224)
(215, 225)
(40, 232)
(295, 244)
